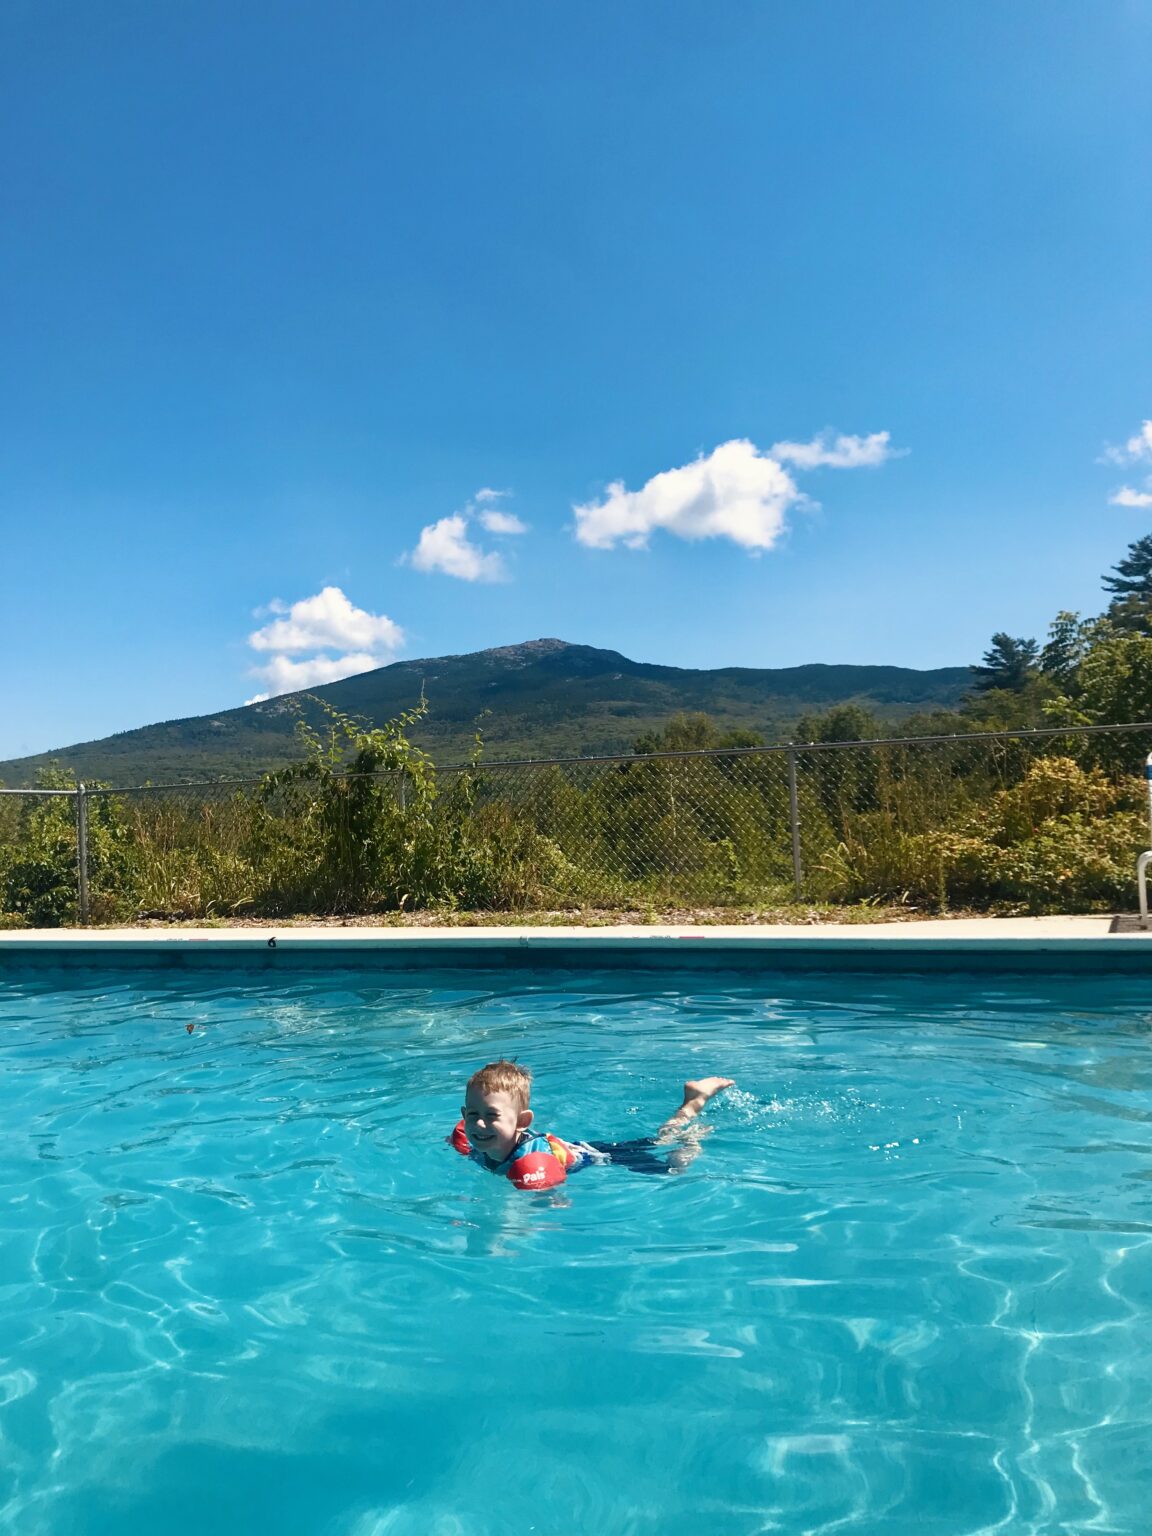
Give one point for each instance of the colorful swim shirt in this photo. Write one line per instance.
(538, 1161)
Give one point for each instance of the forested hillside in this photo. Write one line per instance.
(545, 698)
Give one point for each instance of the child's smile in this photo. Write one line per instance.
(493, 1123)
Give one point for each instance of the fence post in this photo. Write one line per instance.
(794, 809)
(82, 848)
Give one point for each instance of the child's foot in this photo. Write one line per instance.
(705, 1088)
(696, 1095)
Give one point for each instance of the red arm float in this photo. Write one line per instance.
(531, 1170)
(537, 1170)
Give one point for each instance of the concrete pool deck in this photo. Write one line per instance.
(1032, 943)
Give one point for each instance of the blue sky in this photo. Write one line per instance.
(291, 290)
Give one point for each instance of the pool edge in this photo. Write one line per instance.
(991, 943)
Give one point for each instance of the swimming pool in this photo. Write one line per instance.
(246, 1286)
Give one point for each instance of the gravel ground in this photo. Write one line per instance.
(591, 917)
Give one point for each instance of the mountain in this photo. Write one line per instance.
(544, 698)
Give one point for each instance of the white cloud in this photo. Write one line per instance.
(1127, 497)
(283, 675)
(445, 546)
(502, 522)
(326, 622)
(1138, 448)
(840, 452)
(736, 492)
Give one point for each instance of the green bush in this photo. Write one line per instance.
(1065, 838)
(38, 870)
(364, 823)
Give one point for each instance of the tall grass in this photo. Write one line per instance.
(366, 823)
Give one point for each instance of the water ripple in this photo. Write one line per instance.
(902, 1289)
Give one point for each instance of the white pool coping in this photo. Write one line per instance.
(1006, 936)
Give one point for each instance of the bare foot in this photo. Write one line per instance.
(705, 1088)
(696, 1095)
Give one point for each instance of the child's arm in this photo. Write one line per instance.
(696, 1095)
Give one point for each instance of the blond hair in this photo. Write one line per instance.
(504, 1077)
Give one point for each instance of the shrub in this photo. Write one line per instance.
(1063, 838)
(38, 873)
(361, 825)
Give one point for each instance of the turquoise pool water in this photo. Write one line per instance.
(245, 1287)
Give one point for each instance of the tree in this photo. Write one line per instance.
(843, 722)
(694, 733)
(1133, 574)
(1008, 664)
(1067, 644)
(1131, 587)
(1114, 681)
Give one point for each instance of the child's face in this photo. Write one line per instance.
(493, 1122)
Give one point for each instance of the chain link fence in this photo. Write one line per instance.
(1048, 820)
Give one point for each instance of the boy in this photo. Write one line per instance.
(495, 1131)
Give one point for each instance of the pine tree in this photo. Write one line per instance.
(1009, 663)
(1133, 575)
